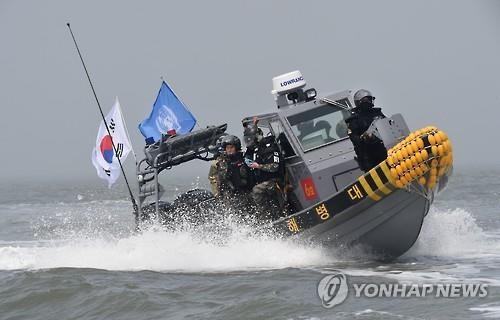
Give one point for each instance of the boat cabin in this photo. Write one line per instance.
(312, 134)
(318, 154)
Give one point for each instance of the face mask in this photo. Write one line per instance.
(366, 103)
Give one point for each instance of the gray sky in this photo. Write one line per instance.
(436, 62)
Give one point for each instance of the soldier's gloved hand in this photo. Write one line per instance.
(255, 165)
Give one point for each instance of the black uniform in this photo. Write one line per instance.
(233, 182)
(265, 193)
(370, 150)
(233, 174)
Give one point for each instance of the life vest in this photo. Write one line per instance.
(234, 173)
(267, 152)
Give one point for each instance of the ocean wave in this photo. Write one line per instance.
(81, 241)
(454, 233)
(158, 250)
(489, 310)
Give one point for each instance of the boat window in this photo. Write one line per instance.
(282, 139)
(319, 126)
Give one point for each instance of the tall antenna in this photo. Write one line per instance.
(134, 204)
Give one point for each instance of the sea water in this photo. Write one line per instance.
(70, 251)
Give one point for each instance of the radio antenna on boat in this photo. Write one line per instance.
(134, 204)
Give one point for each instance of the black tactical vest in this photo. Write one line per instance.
(267, 152)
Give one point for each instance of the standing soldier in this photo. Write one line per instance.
(369, 149)
(264, 158)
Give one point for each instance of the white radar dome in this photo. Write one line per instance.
(288, 82)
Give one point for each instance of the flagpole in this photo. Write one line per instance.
(134, 204)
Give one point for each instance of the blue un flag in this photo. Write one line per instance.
(168, 113)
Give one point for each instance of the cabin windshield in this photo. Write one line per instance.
(319, 126)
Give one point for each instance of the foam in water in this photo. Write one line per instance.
(370, 313)
(458, 249)
(85, 236)
(489, 310)
(452, 233)
(492, 312)
(163, 251)
(448, 234)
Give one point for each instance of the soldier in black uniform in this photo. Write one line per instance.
(369, 149)
(264, 158)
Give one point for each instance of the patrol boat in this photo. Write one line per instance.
(329, 199)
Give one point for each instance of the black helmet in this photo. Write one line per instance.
(218, 144)
(231, 140)
(250, 134)
(363, 97)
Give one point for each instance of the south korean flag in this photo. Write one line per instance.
(109, 148)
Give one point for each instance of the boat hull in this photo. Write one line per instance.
(386, 229)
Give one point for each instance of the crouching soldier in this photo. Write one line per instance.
(233, 181)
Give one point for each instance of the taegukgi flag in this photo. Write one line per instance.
(104, 156)
(169, 113)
